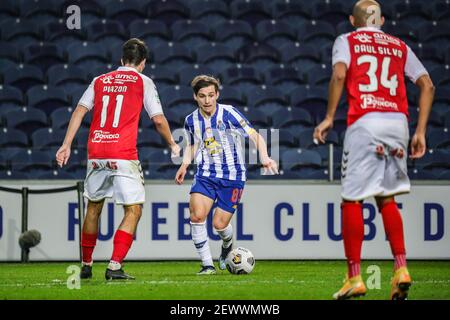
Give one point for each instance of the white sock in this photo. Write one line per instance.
(226, 235)
(87, 263)
(114, 265)
(200, 238)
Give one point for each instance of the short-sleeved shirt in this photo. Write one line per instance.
(376, 65)
(116, 99)
(221, 142)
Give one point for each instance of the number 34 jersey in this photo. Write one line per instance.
(116, 99)
(376, 67)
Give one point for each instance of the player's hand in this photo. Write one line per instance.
(179, 177)
(270, 167)
(175, 150)
(418, 146)
(321, 131)
(63, 155)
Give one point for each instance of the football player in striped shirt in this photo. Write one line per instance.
(215, 133)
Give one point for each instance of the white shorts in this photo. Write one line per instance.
(366, 173)
(121, 179)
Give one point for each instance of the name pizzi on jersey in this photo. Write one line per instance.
(115, 83)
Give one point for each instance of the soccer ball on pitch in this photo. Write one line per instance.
(240, 261)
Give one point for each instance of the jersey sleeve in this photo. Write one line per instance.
(87, 99)
(414, 69)
(238, 121)
(152, 103)
(189, 134)
(341, 51)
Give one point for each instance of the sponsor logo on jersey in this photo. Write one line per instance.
(369, 101)
(107, 79)
(363, 37)
(100, 136)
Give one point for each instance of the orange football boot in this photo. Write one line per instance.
(353, 287)
(400, 284)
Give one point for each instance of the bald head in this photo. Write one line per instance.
(367, 13)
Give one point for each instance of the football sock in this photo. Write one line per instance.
(393, 225)
(226, 235)
(353, 235)
(88, 242)
(200, 238)
(122, 243)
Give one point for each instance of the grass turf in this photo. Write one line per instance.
(176, 280)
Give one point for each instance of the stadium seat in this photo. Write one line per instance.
(258, 55)
(187, 74)
(10, 96)
(319, 75)
(172, 96)
(47, 98)
(285, 78)
(215, 56)
(411, 12)
(440, 10)
(28, 160)
(302, 57)
(275, 33)
(60, 118)
(300, 158)
(434, 159)
(209, 11)
(316, 33)
(27, 119)
(441, 76)
(43, 55)
(21, 31)
(257, 118)
(252, 11)
(284, 138)
(313, 99)
(24, 77)
(14, 175)
(420, 174)
(444, 175)
(58, 33)
(436, 32)
(292, 12)
(332, 12)
(447, 120)
(106, 30)
(168, 11)
(289, 117)
(46, 138)
(191, 33)
(12, 138)
(233, 33)
(65, 76)
(9, 9)
(9, 51)
(173, 55)
(45, 8)
(125, 12)
(344, 27)
(161, 75)
(149, 138)
(89, 51)
(230, 95)
(401, 30)
(263, 95)
(438, 138)
(428, 55)
(239, 75)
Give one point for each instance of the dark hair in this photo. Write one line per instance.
(203, 81)
(134, 51)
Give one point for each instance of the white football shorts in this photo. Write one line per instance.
(374, 157)
(122, 180)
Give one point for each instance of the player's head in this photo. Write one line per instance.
(367, 13)
(206, 92)
(134, 53)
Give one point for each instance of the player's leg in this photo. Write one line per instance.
(393, 225)
(228, 197)
(123, 240)
(128, 182)
(199, 206)
(89, 236)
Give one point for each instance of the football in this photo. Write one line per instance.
(240, 261)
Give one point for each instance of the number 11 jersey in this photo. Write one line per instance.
(116, 99)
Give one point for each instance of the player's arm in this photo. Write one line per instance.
(188, 155)
(163, 128)
(268, 163)
(340, 60)
(418, 142)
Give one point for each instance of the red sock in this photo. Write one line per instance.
(393, 226)
(122, 243)
(88, 241)
(353, 235)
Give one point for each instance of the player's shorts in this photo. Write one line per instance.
(122, 180)
(227, 193)
(374, 157)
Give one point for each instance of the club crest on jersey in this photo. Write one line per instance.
(363, 37)
(221, 126)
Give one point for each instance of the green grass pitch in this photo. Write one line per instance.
(175, 280)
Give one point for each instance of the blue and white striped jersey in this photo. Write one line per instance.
(221, 142)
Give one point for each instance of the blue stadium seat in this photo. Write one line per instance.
(47, 98)
(411, 12)
(168, 11)
(230, 95)
(20, 32)
(258, 55)
(24, 77)
(284, 77)
(45, 8)
(11, 96)
(82, 137)
(401, 30)
(444, 175)
(60, 118)
(313, 99)
(89, 51)
(43, 55)
(9, 9)
(150, 138)
(275, 33)
(316, 33)
(27, 119)
(153, 29)
(447, 120)
(429, 55)
(209, 11)
(319, 75)
(284, 138)
(216, 56)
(47, 137)
(440, 10)
(434, 159)
(289, 117)
(187, 74)
(233, 33)
(441, 76)
(14, 175)
(265, 95)
(12, 138)
(172, 96)
(252, 11)
(296, 159)
(65, 76)
(344, 27)
(161, 75)
(173, 55)
(106, 30)
(438, 138)
(330, 11)
(28, 160)
(303, 57)
(257, 118)
(436, 32)
(324, 151)
(125, 12)
(191, 33)
(57, 32)
(240, 74)
(53, 175)
(9, 51)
